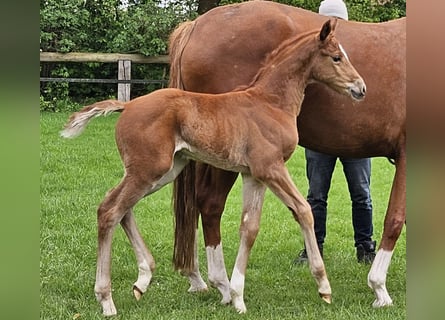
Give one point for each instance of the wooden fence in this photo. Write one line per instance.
(124, 61)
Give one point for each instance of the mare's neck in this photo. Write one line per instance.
(286, 73)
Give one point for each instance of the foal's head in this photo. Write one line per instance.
(332, 66)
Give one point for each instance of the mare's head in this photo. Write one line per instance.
(332, 66)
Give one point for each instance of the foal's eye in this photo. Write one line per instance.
(336, 58)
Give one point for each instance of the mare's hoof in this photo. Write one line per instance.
(198, 289)
(137, 293)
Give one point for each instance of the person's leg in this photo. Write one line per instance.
(319, 168)
(358, 176)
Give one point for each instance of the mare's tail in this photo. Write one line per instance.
(177, 41)
(78, 120)
(184, 197)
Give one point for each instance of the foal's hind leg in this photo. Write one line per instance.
(146, 263)
(281, 184)
(117, 203)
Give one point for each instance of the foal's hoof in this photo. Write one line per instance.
(326, 297)
(137, 293)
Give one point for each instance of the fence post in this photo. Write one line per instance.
(124, 73)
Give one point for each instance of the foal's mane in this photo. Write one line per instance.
(279, 55)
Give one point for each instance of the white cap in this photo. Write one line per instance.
(333, 8)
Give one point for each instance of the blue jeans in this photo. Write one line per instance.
(319, 169)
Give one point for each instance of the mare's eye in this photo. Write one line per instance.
(336, 58)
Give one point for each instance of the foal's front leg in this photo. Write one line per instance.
(281, 184)
(253, 197)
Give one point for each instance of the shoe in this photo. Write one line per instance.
(302, 256)
(366, 252)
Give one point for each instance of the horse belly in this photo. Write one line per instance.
(219, 160)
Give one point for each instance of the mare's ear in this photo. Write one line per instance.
(328, 28)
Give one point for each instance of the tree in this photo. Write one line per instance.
(131, 26)
(359, 10)
(206, 5)
(140, 26)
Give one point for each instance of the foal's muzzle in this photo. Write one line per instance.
(358, 89)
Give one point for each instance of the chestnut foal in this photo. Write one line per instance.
(251, 130)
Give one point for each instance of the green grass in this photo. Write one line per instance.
(76, 174)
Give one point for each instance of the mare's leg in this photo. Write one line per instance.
(280, 183)
(212, 188)
(394, 221)
(117, 203)
(253, 197)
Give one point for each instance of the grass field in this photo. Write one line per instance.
(76, 174)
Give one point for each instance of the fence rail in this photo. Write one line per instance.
(86, 80)
(124, 61)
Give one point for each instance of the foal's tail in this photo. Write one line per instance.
(78, 120)
(184, 198)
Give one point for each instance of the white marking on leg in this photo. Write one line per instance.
(103, 295)
(316, 263)
(102, 287)
(237, 290)
(377, 278)
(144, 276)
(217, 272)
(253, 196)
(197, 284)
(108, 308)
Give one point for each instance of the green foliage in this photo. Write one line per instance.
(311, 5)
(56, 104)
(142, 26)
(65, 25)
(374, 11)
(145, 28)
(103, 26)
(358, 10)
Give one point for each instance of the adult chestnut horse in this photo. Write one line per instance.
(224, 48)
(250, 130)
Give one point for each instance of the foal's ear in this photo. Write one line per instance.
(328, 28)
